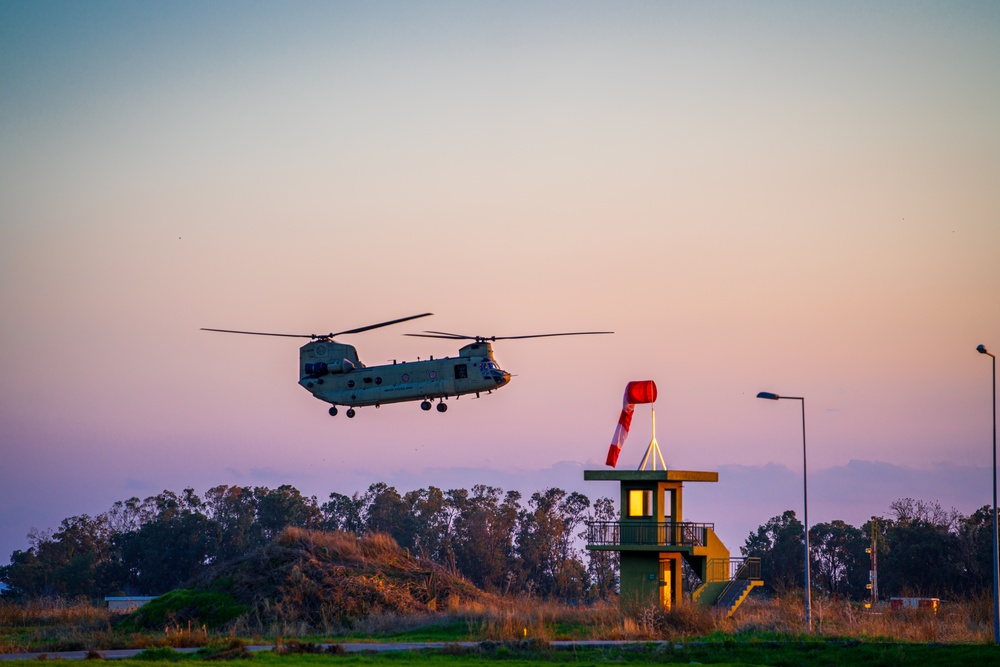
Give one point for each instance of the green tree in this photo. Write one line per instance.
(65, 563)
(975, 540)
(344, 513)
(922, 559)
(602, 566)
(780, 545)
(127, 515)
(426, 525)
(839, 562)
(385, 512)
(234, 510)
(484, 524)
(550, 565)
(285, 507)
(165, 553)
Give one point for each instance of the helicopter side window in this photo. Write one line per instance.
(461, 371)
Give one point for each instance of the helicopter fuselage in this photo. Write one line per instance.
(332, 372)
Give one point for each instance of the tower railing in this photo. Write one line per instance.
(648, 533)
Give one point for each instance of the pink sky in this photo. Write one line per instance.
(777, 197)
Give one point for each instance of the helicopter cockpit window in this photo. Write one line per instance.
(461, 371)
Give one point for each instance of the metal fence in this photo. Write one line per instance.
(648, 533)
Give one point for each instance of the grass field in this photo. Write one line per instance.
(764, 632)
(514, 654)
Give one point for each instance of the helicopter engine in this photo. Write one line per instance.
(321, 357)
(321, 368)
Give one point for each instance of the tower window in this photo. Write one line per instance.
(640, 502)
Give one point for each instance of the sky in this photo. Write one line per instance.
(776, 196)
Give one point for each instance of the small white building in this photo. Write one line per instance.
(128, 603)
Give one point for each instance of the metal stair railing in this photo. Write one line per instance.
(742, 569)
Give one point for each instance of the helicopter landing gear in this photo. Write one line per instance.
(442, 407)
(426, 405)
(350, 413)
(333, 411)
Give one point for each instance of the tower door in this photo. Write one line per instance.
(666, 572)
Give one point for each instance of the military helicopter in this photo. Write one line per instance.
(332, 371)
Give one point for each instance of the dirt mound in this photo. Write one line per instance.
(322, 579)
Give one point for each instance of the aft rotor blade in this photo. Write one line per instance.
(380, 324)
(452, 336)
(570, 333)
(261, 333)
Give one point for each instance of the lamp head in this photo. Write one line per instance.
(767, 394)
(982, 349)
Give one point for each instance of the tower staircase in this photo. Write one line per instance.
(728, 583)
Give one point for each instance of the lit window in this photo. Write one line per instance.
(640, 502)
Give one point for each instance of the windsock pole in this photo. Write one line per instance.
(653, 451)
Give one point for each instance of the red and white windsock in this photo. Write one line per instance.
(641, 391)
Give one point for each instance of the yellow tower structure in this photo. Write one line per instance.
(653, 540)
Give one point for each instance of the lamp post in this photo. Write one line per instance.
(805, 493)
(996, 544)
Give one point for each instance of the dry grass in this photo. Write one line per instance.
(309, 585)
(52, 611)
(547, 621)
(54, 625)
(758, 618)
(967, 621)
(52, 622)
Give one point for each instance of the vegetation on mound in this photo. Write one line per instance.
(212, 609)
(320, 579)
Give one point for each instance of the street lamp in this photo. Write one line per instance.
(996, 545)
(805, 492)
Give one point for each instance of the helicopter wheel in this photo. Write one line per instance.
(333, 411)
(426, 405)
(350, 413)
(442, 407)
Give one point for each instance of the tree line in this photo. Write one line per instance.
(495, 539)
(499, 541)
(921, 550)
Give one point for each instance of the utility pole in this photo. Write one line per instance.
(873, 572)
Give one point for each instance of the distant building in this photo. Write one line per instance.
(128, 603)
(930, 604)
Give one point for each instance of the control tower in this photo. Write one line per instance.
(653, 540)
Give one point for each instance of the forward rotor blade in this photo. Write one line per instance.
(380, 324)
(261, 333)
(316, 336)
(442, 334)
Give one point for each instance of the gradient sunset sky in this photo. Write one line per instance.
(801, 198)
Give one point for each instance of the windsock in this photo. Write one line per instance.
(641, 391)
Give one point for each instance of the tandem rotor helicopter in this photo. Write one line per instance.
(332, 372)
